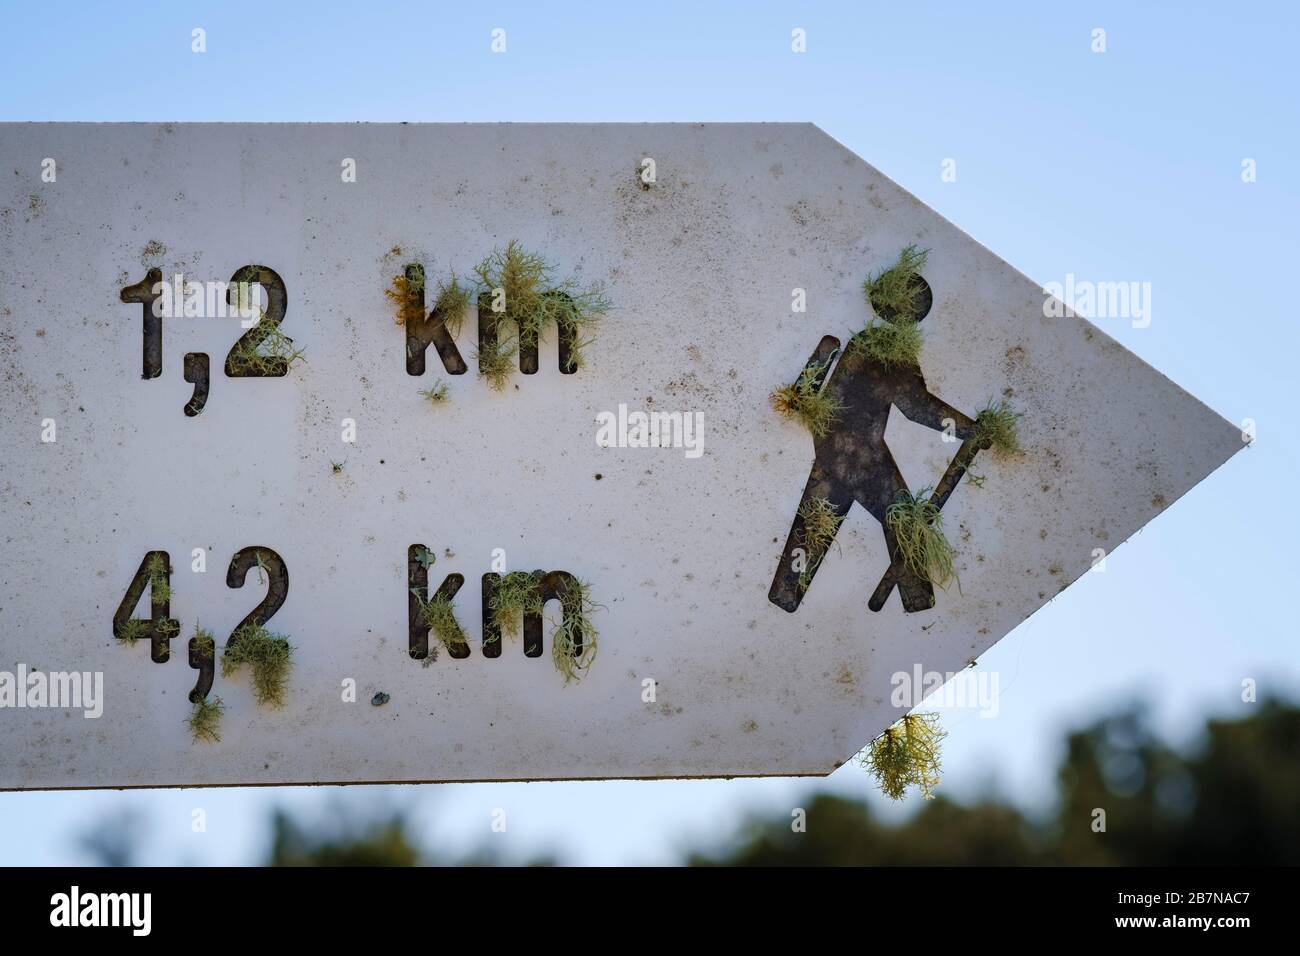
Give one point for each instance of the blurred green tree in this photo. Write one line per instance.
(1233, 799)
(343, 839)
(383, 842)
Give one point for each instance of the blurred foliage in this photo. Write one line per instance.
(343, 840)
(1234, 799)
(383, 842)
(115, 840)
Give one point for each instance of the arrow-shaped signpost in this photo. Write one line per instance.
(477, 420)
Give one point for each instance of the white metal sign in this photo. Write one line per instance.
(362, 454)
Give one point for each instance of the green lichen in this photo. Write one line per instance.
(204, 720)
(997, 427)
(894, 338)
(893, 292)
(414, 275)
(906, 754)
(896, 343)
(268, 655)
(272, 354)
(575, 626)
(821, 522)
(259, 561)
(131, 631)
(497, 363)
(805, 402)
(435, 394)
(525, 285)
(917, 527)
(517, 594)
(453, 300)
(160, 590)
(439, 616)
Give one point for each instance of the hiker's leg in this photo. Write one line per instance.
(916, 592)
(798, 564)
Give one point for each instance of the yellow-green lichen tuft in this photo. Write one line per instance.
(451, 302)
(517, 594)
(894, 338)
(917, 527)
(894, 292)
(891, 344)
(906, 755)
(268, 655)
(805, 402)
(524, 284)
(497, 364)
(131, 631)
(270, 354)
(435, 394)
(575, 625)
(439, 617)
(821, 522)
(160, 591)
(204, 720)
(997, 427)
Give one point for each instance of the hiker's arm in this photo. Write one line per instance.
(925, 409)
(822, 356)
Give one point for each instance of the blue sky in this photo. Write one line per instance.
(1124, 165)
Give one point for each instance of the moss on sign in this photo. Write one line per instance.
(917, 525)
(804, 400)
(906, 755)
(268, 655)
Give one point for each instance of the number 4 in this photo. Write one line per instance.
(160, 627)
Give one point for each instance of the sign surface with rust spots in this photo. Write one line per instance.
(353, 483)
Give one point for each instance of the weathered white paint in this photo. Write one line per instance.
(680, 550)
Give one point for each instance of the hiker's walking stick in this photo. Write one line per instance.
(956, 468)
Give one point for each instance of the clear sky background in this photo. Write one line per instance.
(1119, 166)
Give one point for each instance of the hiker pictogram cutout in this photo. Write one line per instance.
(853, 462)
